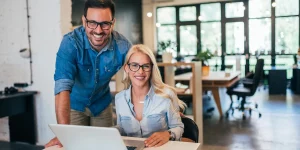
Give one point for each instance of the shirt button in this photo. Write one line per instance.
(97, 69)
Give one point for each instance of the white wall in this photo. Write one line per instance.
(48, 22)
(149, 28)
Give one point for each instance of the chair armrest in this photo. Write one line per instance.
(247, 82)
(249, 75)
(234, 84)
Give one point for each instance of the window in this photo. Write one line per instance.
(166, 27)
(233, 10)
(187, 13)
(166, 15)
(286, 33)
(166, 33)
(210, 17)
(235, 38)
(188, 40)
(259, 8)
(287, 7)
(244, 21)
(211, 37)
(260, 36)
(210, 12)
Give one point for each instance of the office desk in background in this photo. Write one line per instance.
(295, 81)
(171, 145)
(213, 82)
(277, 80)
(19, 107)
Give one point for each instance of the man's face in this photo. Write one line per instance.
(98, 37)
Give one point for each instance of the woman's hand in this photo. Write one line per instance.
(157, 139)
(53, 142)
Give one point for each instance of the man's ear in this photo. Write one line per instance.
(113, 24)
(83, 21)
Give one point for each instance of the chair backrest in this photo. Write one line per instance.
(191, 130)
(259, 68)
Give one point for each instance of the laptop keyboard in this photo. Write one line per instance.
(131, 147)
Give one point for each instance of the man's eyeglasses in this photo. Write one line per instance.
(136, 67)
(105, 25)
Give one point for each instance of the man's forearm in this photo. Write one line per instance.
(62, 107)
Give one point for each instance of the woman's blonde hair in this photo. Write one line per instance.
(156, 80)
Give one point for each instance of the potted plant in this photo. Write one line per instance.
(165, 48)
(204, 56)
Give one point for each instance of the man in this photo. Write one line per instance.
(87, 59)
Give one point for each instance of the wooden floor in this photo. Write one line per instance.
(277, 129)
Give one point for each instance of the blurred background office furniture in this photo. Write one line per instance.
(241, 90)
(277, 80)
(295, 81)
(19, 107)
(212, 82)
(191, 130)
(195, 90)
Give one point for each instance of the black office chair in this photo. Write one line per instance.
(240, 89)
(191, 130)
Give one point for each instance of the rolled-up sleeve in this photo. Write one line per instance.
(63, 85)
(174, 122)
(65, 67)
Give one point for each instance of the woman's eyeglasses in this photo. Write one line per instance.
(136, 67)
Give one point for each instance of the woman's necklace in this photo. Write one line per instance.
(138, 100)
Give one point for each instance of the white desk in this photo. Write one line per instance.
(171, 145)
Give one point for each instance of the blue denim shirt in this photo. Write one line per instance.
(86, 72)
(159, 114)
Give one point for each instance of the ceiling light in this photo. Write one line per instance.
(149, 14)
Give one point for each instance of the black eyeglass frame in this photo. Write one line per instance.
(140, 66)
(98, 23)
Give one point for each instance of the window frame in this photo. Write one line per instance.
(245, 19)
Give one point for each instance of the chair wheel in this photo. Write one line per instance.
(256, 105)
(259, 115)
(250, 112)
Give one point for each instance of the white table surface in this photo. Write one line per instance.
(171, 145)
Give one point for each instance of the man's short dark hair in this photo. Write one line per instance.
(100, 4)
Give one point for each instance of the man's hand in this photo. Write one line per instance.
(157, 139)
(53, 142)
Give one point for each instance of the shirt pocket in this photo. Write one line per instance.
(110, 70)
(85, 73)
(126, 124)
(156, 122)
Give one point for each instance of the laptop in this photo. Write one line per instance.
(74, 137)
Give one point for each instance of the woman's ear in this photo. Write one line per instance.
(126, 68)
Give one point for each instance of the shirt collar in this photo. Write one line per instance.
(149, 95)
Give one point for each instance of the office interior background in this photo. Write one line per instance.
(233, 30)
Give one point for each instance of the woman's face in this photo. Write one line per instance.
(139, 69)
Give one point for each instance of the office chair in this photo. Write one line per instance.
(243, 90)
(191, 130)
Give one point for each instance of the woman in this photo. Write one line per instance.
(147, 107)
